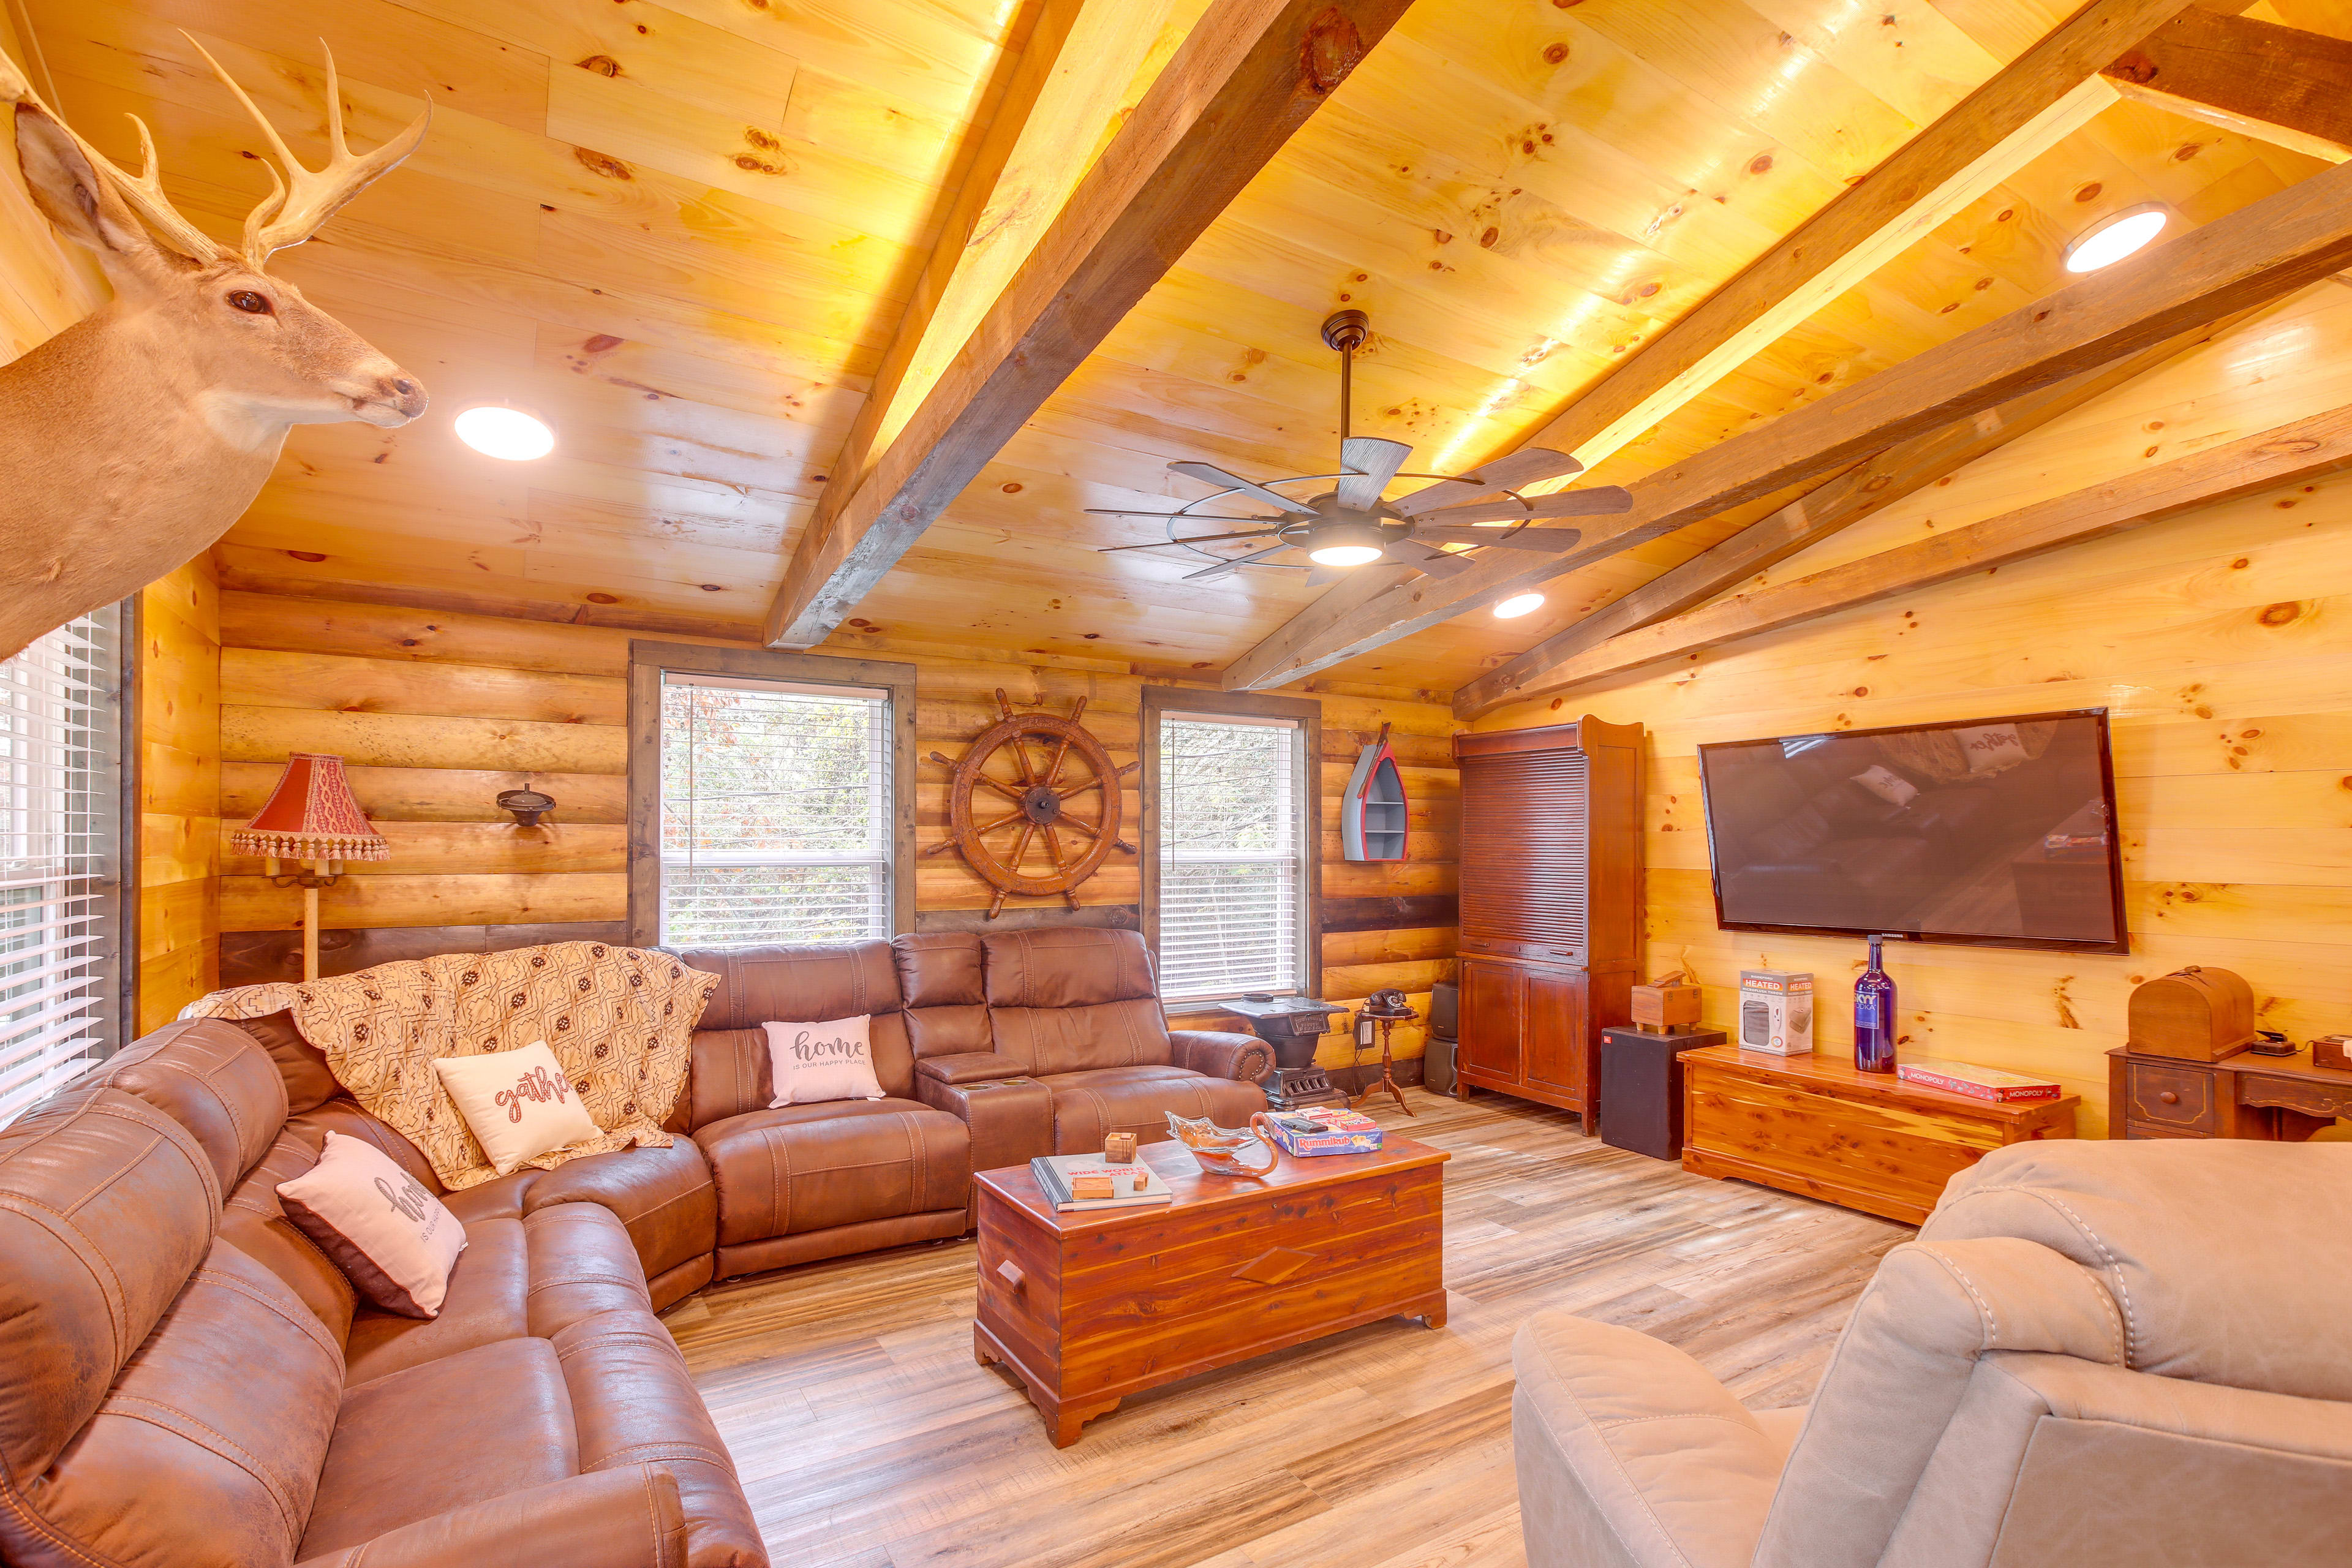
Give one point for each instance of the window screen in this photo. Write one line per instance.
(775, 812)
(1231, 867)
(60, 857)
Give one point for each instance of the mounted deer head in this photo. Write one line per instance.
(134, 438)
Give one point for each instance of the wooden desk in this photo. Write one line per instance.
(1816, 1125)
(1090, 1307)
(2279, 1099)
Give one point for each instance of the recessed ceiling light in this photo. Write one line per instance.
(2113, 238)
(1517, 604)
(496, 431)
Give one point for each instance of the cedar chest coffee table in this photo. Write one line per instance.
(1090, 1306)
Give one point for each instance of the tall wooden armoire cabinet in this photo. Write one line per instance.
(1552, 905)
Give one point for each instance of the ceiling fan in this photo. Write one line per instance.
(1349, 524)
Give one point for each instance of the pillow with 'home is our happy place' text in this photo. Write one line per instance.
(831, 1060)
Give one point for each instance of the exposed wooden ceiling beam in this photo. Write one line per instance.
(2289, 239)
(2283, 456)
(2275, 84)
(1859, 492)
(1246, 77)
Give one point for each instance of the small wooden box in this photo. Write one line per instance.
(2195, 1015)
(1665, 1007)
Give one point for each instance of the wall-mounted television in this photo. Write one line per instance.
(1990, 832)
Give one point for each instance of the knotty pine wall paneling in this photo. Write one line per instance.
(2220, 642)
(178, 675)
(435, 712)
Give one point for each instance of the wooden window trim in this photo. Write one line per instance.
(648, 660)
(1308, 713)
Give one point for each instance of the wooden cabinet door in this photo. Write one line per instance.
(1493, 1017)
(1557, 1031)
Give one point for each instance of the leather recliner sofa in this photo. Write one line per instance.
(187, 1379)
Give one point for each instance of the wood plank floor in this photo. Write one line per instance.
(868, 1437)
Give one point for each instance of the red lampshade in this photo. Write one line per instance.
(312, 816)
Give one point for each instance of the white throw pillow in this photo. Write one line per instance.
(518, 1104)
(1990, 747)
(1887, 786)
(394, 1240)
(831, 1060)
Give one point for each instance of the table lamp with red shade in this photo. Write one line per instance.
(311, 817)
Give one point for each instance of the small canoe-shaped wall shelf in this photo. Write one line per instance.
(1372, 813)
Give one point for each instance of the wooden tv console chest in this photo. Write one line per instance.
(1816, 1125)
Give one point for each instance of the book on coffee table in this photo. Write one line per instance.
(1060, 1177)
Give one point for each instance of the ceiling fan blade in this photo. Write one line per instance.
(1324, 576)
(1197, 539)
(1423, 558)
(1509, 538)
(1375, 462)
(1522, 468)
(1209, 473)
(1599, 500)
(1224, 568)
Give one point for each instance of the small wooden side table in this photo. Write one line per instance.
(2277, 1099)
(1388, 1021)
(1817, 1125)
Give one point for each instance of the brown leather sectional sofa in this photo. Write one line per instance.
(185, 1378)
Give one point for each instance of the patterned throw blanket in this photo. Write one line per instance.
(618, 1018)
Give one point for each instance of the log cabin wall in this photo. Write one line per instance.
(435, 712)
(2221, 643)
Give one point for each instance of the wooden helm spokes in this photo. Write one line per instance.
(1044, 819)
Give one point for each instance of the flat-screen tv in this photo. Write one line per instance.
(1991, 832)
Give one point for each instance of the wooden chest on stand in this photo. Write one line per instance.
(1551, 892)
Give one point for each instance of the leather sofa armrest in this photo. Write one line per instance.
(970, 1066)
(1244, 1058)
(1010, 1119)
(1624, 1439)
(629, 1517)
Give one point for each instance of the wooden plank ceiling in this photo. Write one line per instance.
(686, 234)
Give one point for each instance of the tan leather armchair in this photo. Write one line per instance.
(2094, 1353)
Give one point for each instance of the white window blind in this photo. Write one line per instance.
(60, 863)
(775, 812)
(1231, 865)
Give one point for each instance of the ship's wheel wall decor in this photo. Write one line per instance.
(1041, 823)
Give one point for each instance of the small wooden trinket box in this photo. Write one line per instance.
(2196, 1015)
(1118, 1148)
(1668, 1004)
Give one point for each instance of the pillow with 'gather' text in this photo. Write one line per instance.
(831, 1060)
(519, 1104)
(394, 1240)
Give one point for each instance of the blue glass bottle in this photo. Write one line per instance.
(1873, 1015)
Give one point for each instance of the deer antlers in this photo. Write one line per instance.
(297, 203)
(306, 199)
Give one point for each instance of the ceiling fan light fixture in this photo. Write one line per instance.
(1345, 543)
(1517, 604)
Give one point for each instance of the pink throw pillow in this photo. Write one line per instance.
(830, 1061)
(394, 1240)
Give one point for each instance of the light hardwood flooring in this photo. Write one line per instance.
(868, 1437)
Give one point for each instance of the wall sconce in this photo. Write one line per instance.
(530, 808)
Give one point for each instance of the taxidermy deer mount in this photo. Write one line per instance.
(132, 440)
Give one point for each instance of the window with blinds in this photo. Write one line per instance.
(775, 812)
(60, 857)
(1232, 875)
